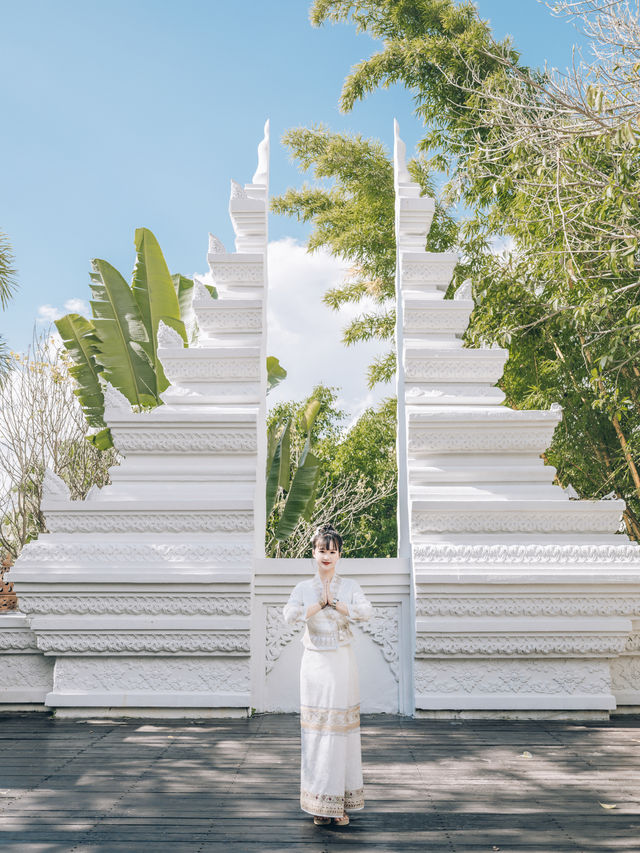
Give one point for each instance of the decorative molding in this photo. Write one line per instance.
(237, 190)
(500, 520)
(134, 553)
(625, 553)
(424, 319)
(31, 671)
(54, 487)
(185, 440)
(196, 675)
(223, 319)
(148, 604)
(216, 246)
(432, 270)
(261, 175)
(602, 644)
(17, 639)
(244, 272)
(595, 604)
(632, 645)
(447, 369)
(472, 438)
(211, 369)
(202, 297)
(168, 338)
(512, 677)
(625, 674)
(122, 642)
(160, 521)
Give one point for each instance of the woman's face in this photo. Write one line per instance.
(326, 556)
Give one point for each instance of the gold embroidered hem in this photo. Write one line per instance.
(330, 720)
(331, 805)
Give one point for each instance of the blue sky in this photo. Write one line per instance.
(138, 112)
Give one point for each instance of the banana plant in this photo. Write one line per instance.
(301, 488)
(120, 344)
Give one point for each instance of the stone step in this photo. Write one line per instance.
(514, 516)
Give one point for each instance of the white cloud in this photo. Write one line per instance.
(49, 313)
(76, 306)
(306, 335)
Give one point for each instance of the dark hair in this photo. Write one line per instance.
(326, 535)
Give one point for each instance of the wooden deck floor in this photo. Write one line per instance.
(232, 785)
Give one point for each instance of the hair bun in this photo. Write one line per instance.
(326, 528)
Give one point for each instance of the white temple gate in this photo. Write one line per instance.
(153, 598)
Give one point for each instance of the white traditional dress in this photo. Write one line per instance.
(331, 765)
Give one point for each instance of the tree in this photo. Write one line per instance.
(42, 426)
(8, 284)
(549, 164)
(354, 219)
(357, 483)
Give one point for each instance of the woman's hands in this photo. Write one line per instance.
(325, 599)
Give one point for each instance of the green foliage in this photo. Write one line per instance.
(554, 173)
(356, 471)
(8, 284)
(353, 218)
(79, 337)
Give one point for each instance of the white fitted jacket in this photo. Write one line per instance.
(327, 629)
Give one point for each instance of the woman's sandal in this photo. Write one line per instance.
(321, 821)
(341, 821)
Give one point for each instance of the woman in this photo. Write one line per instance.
(331, 766)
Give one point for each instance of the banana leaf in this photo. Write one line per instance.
(122, 335)
(284, 477)
(101, 440)
(300, 498)
(184, 291)
(275, 373)
(79, 337)
(272, 478)
(155, 294)
(308, 419)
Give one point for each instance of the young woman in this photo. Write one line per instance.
(331, 766)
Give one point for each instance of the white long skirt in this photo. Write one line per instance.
(331, 766)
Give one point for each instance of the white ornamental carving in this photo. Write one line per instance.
(502, 521)
(512, 677)
(16, 639)
(222, 319)
(27, 671)
(237, 190)
(147, 522)
(168, 338)
(212, 369)
(216, 246)
(429, 271)
(54, 487)
(458, 369)
(152, 554)
(559, 645)
(202, 297)
(625, 674)
(224, 272)
(527, 605)
(277, 634)
(141, 642)
(435, 321)
(115, 403)
(198, 675)
(146, 604)
(185, 441)
(633, 643)
(464, 291)
(383, 628)
(627, 552)
(501, 437)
